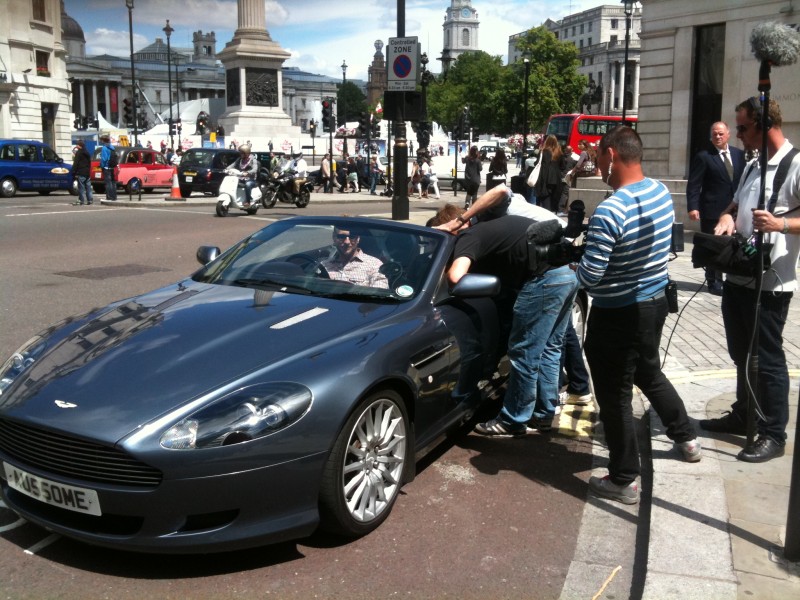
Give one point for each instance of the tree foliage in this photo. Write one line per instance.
(351, 99)
(495, 93)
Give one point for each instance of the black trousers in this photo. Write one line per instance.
(622, 350)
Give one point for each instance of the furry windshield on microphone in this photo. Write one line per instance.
(776, 43)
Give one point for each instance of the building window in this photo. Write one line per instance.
(39, 12)
(573, 30)
(589, 43)
(42, 63)
(581, 44)
(614, 23)
(465, 37)
(566, 33)
(599, 78)
(581, 28)
(590, 27)
(613, 40)
(158, 96)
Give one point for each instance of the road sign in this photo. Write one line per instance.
(402, 64)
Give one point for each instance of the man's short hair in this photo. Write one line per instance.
(445, 214)
(753, 108)
(626, 142)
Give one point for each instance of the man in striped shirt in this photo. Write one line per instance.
(624, 269)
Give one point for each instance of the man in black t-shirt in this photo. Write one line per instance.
(542, 305)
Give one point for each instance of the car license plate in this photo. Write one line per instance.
(98, 175)
(189, 179)
(50, 492)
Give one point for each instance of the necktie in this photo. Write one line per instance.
(728, 165)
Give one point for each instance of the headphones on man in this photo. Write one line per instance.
(755, 106)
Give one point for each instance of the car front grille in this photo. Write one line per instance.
(74, 458)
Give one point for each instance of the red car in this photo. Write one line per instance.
(144, 166)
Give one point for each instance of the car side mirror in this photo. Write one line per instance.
(475, 285)
(205, 254)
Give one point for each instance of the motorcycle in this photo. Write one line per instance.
(280, 188)
(232, 193)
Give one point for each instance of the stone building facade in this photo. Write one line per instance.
(34, 91)
(697, 65)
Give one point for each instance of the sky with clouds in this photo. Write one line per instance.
(319, 34)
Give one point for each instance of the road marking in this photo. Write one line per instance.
(50, 539)
(18, 523)
(61, 212)
(575, 420)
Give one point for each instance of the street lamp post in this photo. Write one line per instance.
(628, 4)
(424, 127)
(526, 59)
(178, 127)
(129, 4)
(168, 31)
(344, 106)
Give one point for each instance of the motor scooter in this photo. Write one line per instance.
(232, 193)
(279, 187)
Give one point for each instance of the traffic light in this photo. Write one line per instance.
(84, 122)
(127, 111)
(456, 133)
(424, 134)
(376, 130)
(76, 124)
(328, 122)
(363, 125)
(312, 128)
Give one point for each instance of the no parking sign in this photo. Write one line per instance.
(402, 64)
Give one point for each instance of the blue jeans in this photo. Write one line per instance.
(541, 312)
(772, 390)
(373, 182)
(622, 350)
(573, 369)
(84, 189)
(111, 185)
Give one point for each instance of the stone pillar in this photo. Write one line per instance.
(82, 95)
(251, 15)
(637, 69)
(622, 66)
(107, 115)
(612, 72)
(94, 100)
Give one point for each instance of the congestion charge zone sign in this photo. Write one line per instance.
(402, 64)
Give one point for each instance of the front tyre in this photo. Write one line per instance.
(222, 210)
(364, 472)
(269, 199)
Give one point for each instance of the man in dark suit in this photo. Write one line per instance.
(713, 178)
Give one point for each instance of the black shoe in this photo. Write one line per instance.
(730, 423)
(763, 449)
(715, 288)
(541, 425)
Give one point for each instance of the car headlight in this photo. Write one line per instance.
(23, 358)
(244, 415)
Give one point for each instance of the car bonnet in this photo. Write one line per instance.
(146, 356)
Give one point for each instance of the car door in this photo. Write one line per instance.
(159, 173)
(29, 166)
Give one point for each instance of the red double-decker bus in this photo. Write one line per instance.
(570, 129)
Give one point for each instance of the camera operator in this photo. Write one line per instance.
(542, 303)
(779, 283)
(624, 268)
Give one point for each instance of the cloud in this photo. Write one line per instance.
(115, 43)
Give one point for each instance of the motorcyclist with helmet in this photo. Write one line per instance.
(248, 165)
(299, 168)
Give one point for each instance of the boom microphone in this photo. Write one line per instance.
(775, 43)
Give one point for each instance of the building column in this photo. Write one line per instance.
(94, 100)
(637, 68)
(612, 68)
(622, 66)
(82, 95)
(107, 115)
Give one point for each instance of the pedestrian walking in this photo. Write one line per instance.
(108, 163)
(81, 172)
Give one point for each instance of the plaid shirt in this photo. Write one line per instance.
(363, 269)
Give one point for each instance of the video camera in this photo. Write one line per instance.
(551, 245)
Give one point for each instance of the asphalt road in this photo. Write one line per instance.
(484, 518)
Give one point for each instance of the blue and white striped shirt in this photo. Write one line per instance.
(627, 245)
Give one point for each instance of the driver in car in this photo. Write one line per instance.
(352, 264)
